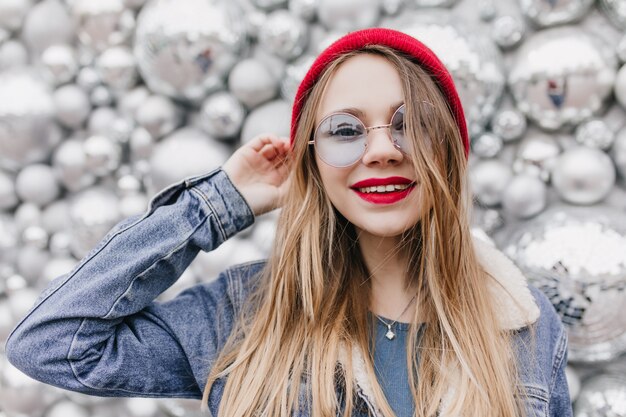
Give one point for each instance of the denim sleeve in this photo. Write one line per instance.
(560, 403)
(98, 329)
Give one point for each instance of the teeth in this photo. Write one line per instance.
(384, 188)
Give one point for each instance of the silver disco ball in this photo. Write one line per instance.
(252, 82)
(117, 68)
(67, 409)
(284, 35)
(13, 54)
(577, 257)
(472, 58)
(184, 49)
(93, 212)
(20, 395)
(487, 145)
(562, 76)
(221, 115)
(508, 31)
(294, 74)
(433, 3)
(9, 239)
(583, 175)
(12, 13)
(618, 152)
(304, 9)
(602, 395)
(27, 129)
(8, 193)
(46, 24)
(537, 155)
(103, 23)
(615, 11)
(60, 63)
(188, 151)
(620, 86)
(488, 179)
(348, 15)
(509, 124)
(178, 407)
(549, 13)
(525, 196)
(595, 133)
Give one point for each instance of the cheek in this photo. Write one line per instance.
(418, 200)
(334, 189)
(334, 181)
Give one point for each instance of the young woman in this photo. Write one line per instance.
(375, 300)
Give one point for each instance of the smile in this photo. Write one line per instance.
(384, 194)
(384, 188)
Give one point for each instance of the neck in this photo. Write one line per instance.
(387, 267)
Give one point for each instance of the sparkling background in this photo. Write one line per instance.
(105, 102)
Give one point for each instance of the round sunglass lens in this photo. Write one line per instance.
(340, 139)
(397, 127)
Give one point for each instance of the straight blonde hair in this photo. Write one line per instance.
(314, 292)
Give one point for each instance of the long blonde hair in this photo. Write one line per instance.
(313, 294)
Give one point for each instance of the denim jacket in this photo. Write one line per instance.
(98, 329)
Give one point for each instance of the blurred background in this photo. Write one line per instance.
(105, 102)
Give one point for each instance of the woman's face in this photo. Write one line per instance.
(371, 86)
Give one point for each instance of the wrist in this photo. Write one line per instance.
(240, 190)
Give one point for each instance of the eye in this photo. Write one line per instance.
(398, 125)
(342, 127)
(345, 132)
(397, 122)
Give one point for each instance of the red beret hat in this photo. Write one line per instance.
(393, 39)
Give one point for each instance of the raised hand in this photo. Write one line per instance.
(260, 170)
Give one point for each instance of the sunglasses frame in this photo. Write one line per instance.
(367, 130)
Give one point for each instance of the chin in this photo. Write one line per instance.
(383, 230)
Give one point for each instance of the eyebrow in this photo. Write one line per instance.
(360, 114)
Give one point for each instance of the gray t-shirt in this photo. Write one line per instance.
(390, 366)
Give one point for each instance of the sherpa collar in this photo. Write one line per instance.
(515, 306)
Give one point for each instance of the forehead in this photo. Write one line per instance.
(367, 82)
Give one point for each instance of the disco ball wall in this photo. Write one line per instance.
(105, 102)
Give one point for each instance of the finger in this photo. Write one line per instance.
(258, 142)
(269, 152)
(282, 166)
(285, 144)
(276, 149)
(280, 142)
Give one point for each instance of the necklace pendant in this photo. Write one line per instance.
(390, 335)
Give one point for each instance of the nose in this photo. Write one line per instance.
(380, 148)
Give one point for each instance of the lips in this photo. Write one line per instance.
(385, 198)
(383, 190)
(373, 182)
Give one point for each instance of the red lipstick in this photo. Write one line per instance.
(388, 197)
(372, 182)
